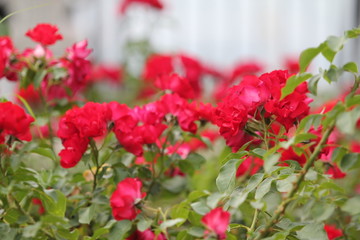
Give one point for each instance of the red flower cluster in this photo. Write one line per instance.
(216, 221)
(123, 201)
(243, 100)
(6, 49)
(14, 122)
(186, 82)
(45, 34)
(77, 127)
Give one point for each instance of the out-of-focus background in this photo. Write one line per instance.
(218, 32)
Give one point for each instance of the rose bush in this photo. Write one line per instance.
(254, 161)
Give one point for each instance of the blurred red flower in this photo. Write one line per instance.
(44, 33)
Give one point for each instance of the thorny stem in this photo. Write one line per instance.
(282, 207)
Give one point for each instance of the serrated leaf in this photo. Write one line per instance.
(263, 188)
(225, 181)
(254, 181)
(270, 161)
(54, 202)
(293, 82)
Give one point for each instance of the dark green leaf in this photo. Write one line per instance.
(30, 231)
(119, 230)
(350, 161)
(39, 76)
(352, 206)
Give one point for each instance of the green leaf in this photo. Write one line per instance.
(354, 33)
(351, 67)
(346, 121)
(86, 214)
(225, 181)
(285, 185)
(183, 235)
(54, 202)
(99, 232)
(39, 76)
(46, 152)
(254, 181)
(312, 231)
(258, 152)
(30, 231)
(213, 200)
(196, 195)
(232, 155)
(169, 223)
(306, 57)
(120, 229)
(144, 223)
(66, 234)
(12, 215)
(352, 101)
(327, 52)
(313, 82)
(270, 161)
(180, 211)
(338, 154)
(186, 167)
(350, 161)
(335, 43)
(352, 206)
(196, 160)
(304, 137)
(196, 232)
(293, 82)
(309, 121)
(263, 188)
(200, 207)
(322, 212)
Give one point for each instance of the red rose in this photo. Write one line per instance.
(14, 122)
(332, 232)
(77, 127)
(6, 49)
(126, 196)
(44, 33)
(217, 221)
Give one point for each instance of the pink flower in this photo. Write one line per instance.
(126, 196)
(332, 232)
(217, 222)
(44, 33)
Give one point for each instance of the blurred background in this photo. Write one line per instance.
(221, 33)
